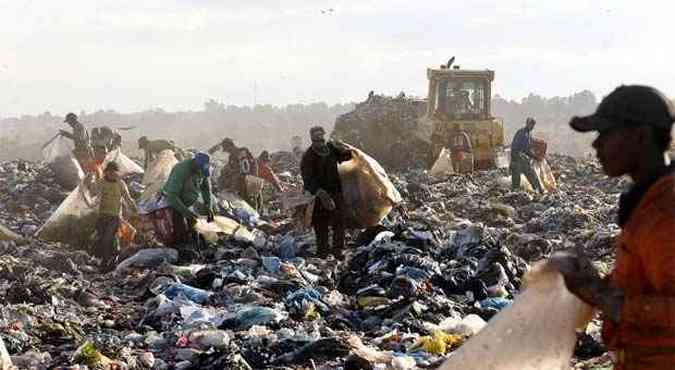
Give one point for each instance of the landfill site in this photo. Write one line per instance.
(336, 185)
(435, 257)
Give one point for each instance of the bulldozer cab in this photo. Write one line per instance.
(459, 102)
(463, 97)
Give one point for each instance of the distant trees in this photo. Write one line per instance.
(552, 115)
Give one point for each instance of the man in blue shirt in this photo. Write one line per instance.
(521, 157)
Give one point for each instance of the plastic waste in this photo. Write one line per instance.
(256, 315)
(157, 173)
(368, 193)
(303, 296)
(497, 303)
(31, 360)
(439, 342)
(287, 248)
(194, 294)
(443, 165)
(7, 234)
(151, 257)
(537, 332)
(205, 339)
(196, 316)
(238, 209)
(59, 156)
(222, 226)
(543, 171)
(74, 220)
(5, 360)
(87, 354)
(272, 264)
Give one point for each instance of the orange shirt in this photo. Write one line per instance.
(645, 270)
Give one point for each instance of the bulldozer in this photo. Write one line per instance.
(459, 100)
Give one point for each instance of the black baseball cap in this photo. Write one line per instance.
(628, 105)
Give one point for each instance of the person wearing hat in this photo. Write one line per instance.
(637, 299)
(188, 181)
(319, 169)
(83, 152)
(522, 157)
(152, 148)
(114, 193)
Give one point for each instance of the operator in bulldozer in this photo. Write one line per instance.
(319, 168)
(522, 157)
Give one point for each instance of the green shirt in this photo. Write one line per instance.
(184, 186)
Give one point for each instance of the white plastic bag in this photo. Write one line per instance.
(368, 194)
(75, 220)
(126, 165)
(157, 174)
(59, 147)
(59, 156)
(212, 231)
(443, 165)
(537, 332)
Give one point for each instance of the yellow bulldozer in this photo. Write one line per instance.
(459, 100)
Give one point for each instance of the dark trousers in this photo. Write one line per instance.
(323, 220)
(522, 165)
(107, 243)
(181, 229)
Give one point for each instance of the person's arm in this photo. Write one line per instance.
(174, 187)
(206, 192)
(67, 134)
(215, 148)
(126, 196)
(657, 253)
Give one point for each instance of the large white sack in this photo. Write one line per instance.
(537, 332)
(368, 194)
(157, 174)
(126, 165)
(443, 165)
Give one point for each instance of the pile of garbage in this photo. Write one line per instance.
(389, 129)
(405, 294)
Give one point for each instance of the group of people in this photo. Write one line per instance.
(637, 299)
(187, 193)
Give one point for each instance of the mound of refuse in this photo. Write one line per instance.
(406, 293)
(388, 129)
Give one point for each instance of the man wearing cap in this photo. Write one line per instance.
(188, 180)
(522, 157)
(83, 152)
(319, 169)
(637, 299)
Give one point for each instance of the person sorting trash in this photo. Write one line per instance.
(152, 148)
(637, 300)
(522, 157)
(188, 180)
(319, 168)
(114, 192)
(84, 151)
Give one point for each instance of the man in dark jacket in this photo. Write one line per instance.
(522, 157)
(319, 168)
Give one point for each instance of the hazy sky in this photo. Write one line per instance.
(131, 55)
